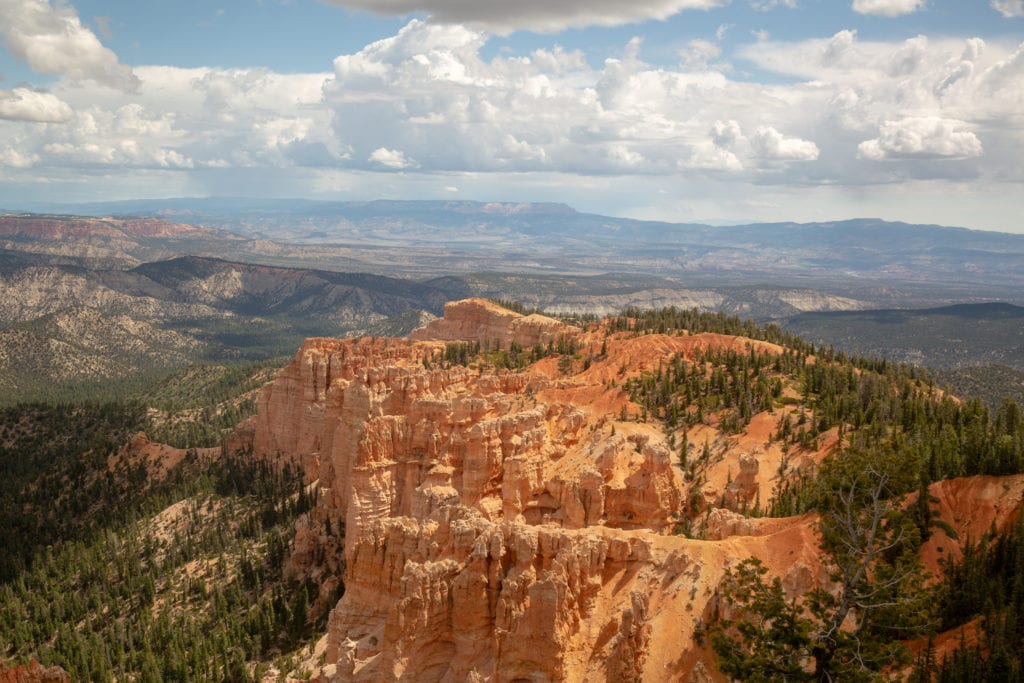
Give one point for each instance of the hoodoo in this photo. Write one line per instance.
(508, 524)
(501, 505)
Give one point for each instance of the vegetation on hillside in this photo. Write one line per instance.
(144, 575)
(198, 406)
(55, 483)
(986, 583)
(515, 357)
(990, 383)
(852, 632)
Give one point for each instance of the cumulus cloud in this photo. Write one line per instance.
(391, 158)
(429, 93)
(887, 8)
(16, 159)
(710, 157)
(699, 54)
(726, 134)
(769, 143)
(433, 102)
(922, 137)
(22, 104)
(52, 40)
(535, 15)
(909, 57)
(128, 135)
(1009, 8)
(836, 50)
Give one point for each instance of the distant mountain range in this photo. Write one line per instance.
(171, 282)
(867, 259)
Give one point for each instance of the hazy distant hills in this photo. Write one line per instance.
(613, 292)
(863, 259)
(243, 279)
(109, 242)
(339, 299)
(976, 348)
(946, 337)
(192, 288)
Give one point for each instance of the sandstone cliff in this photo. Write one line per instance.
(512, 526)
(486, 322)
(525, 525)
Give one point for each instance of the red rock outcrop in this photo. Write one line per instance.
(65, 227)
(972, 506)
(486, 322)
(34, 672)
(157, 457)
(509, 526)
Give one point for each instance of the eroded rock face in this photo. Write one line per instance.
(502, 526)
(742, 491)
(34, 672)
(488, 323)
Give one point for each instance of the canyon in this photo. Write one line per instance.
(524, 525)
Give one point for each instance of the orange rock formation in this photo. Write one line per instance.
(34, 672)
(509, 526)
(486, 322)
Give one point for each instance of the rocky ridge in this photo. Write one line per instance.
(107, 240)
(505, 526)
(521, 525)
(488, 323)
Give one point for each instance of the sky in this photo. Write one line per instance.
(718, 111)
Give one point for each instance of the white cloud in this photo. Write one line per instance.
(624, 157)
(699, 54)
(52, 40)
(519, 150)
(534, 15)
(769, 143)
(726, 134)
(527, 115)
(887, 8)
(922, 137)
(127, 136)
(1009, 8)
(22, 104)
(15, 159)
(711, 157)
(391, 158)
(838, 47)
(909, 57)
(432, 102)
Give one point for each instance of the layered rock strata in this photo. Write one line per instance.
(483, 321)
(507, 526)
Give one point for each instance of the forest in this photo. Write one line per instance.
(122, 570)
